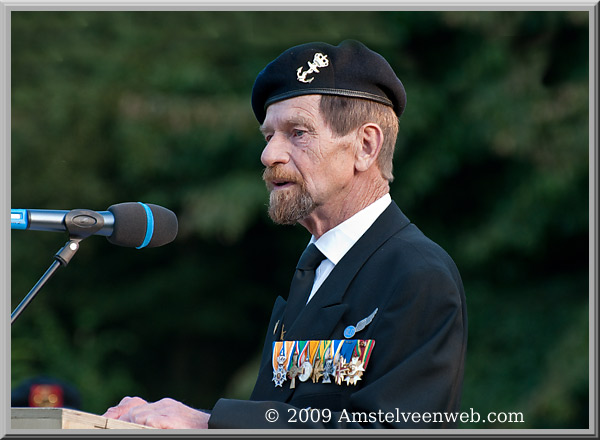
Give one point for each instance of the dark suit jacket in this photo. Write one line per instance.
(420, 333)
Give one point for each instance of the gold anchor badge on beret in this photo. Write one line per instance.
(319, 60)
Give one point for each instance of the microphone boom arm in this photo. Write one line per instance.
(80, 223)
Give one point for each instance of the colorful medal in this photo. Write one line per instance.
(279, 358)
(328, 369)
(328, 365)
(306, 371)
(294, 371)
(318, 366)
(304, 361)
(355, 371)
(334, 361)
(317, 372)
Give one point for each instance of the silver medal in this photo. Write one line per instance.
(306, 371)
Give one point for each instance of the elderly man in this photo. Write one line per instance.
(373, 333)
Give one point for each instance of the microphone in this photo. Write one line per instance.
(130, 224)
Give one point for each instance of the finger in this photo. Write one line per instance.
(124, 406)
(149, 418)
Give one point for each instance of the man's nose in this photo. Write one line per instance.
(275, 152)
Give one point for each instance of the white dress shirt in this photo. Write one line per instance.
(336, 242)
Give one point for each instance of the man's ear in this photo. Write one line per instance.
(370, 140)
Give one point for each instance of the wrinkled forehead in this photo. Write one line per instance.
(300, 111)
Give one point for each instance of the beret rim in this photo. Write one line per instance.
(328, 91)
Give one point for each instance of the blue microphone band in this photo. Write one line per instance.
(149, 226)
(19, 219)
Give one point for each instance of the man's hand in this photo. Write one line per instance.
(165, 414)
(123, 407)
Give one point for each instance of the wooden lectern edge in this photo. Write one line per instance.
(65, 418)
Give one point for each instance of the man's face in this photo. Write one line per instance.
(308, 169)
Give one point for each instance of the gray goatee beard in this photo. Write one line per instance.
(289, 206)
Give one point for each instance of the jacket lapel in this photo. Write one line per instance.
(324, 311)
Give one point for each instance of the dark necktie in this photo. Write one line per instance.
(302, 283)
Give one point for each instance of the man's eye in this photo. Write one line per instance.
(268, 137)
(299, 133)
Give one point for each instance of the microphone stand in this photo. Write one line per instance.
(81, 223)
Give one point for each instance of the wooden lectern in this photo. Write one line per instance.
(63, 418)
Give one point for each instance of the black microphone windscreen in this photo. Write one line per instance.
(165, 226)
(132, 221)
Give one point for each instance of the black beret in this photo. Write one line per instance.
(349, 69)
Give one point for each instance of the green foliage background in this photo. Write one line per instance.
(492, 163)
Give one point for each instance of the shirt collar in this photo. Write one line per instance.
(337, 241)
